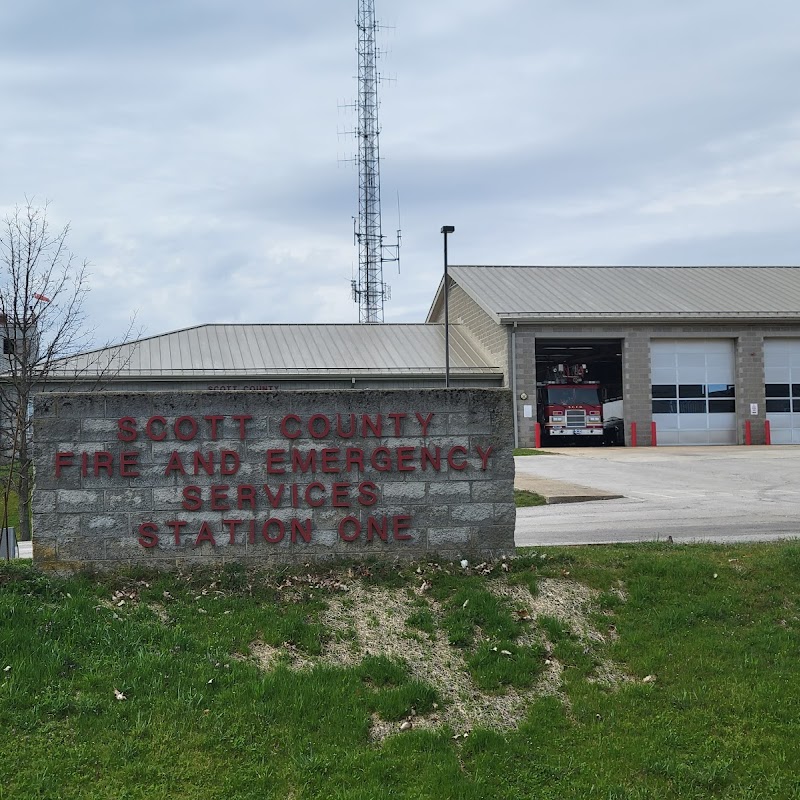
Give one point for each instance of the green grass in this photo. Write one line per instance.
(719, 627)
(524, 498)
(530, 451)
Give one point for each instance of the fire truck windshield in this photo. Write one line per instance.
(573, 395)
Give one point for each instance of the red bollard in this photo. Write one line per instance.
(748, 432)
(767, 433)
(633, 434)
(537, 435)
(653, 434)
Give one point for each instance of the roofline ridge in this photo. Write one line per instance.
(624, 266)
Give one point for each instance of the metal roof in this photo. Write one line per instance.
(536, 293)
(285, 351)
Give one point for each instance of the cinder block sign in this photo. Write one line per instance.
(172, 478)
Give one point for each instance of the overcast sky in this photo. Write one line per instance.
(194, 147)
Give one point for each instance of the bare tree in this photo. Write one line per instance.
(42, 292)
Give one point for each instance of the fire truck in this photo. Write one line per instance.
(568, 405)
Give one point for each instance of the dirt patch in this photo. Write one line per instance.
(268, 657)
(374, 623)
(365, 621)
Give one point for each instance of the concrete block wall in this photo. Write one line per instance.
(524, 378)
(636, 395)
(749, 356)
(86, 517)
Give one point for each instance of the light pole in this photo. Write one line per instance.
(445, 230)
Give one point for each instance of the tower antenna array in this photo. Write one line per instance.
(369, 290)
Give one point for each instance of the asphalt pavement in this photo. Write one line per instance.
(722, 494)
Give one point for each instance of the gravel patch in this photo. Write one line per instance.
(364, 620)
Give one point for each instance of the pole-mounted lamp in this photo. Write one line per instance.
(445, 230)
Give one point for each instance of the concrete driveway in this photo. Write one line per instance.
(689, 493)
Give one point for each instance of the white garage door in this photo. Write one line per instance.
(782, 379)
(693, 389)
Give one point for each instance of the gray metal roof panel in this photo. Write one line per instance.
(285, 350)
(537, 292)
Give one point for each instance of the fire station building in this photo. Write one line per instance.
(699, 351)
(696, 350)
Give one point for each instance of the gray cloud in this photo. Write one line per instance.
(193, 143)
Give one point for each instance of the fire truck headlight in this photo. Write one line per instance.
(559, 418)
(593, 418)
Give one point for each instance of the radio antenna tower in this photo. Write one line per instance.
(369, 290)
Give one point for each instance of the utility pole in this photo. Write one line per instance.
(446, 229)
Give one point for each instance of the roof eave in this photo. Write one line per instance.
(481, 373)
(509, 318)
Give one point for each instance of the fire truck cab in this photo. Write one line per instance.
(568, 405)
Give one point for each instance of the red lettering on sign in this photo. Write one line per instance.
(126, 430)
(219, 497)
(424, 422)
(274, 499)
(313, 428)
(315, 502)
(376, 427)
(148, 429)
(204, 535)
(380, 528)
(174, 464)
(214, 420)
(229, 462)
(231, 524)
(192, 498)
(242, 420)
(206, 463)
(484, 454)
(340, 497)
(185, 436)
(246, 495)
(434, 459)
(457, 450)
(103, 460)
(355, 526)
(354, 456)
(177, 526)
(381, 459)
(350, 432)
(281, 530)
(404, 458)
(127, 461)
(303, 529)
(148, 534)
(63, 459)
(275, 461)
(397, 418)
(293, 434)
(401, 523)
(367, 493)
(299, 464)
(330, 459)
